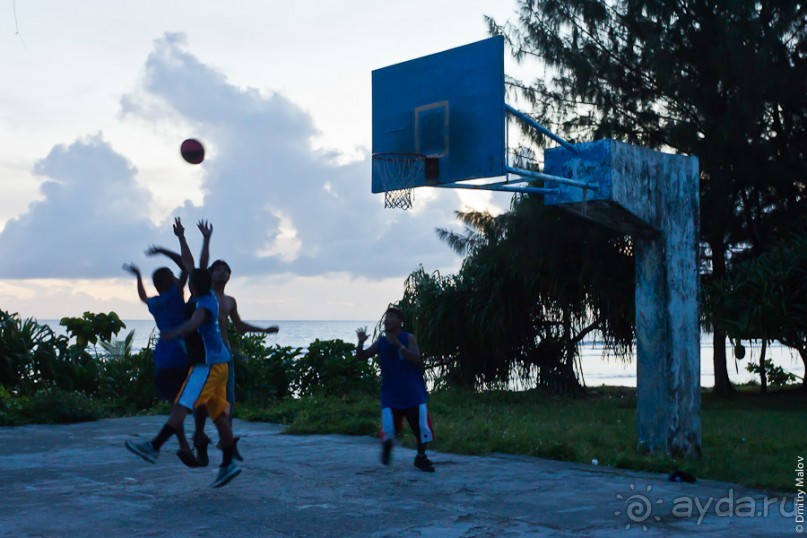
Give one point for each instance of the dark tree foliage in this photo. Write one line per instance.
(534, 282)
(766, 297)
(723, 80)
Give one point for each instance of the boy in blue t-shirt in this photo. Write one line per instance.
(170, 361)
(403, 389)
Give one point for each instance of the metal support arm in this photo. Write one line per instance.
(540, 128)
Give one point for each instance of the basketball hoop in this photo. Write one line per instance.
(399, 173)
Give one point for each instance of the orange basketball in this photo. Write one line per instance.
(192, 151)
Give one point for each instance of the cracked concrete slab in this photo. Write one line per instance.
(79, 480)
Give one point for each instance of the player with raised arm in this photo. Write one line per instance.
(170, 360)
(206, 382)
(228, 310)
(403, 389)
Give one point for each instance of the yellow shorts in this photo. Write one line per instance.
(206, 385)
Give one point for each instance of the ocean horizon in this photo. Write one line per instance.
(598, 367)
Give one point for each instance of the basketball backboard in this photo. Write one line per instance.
(449, 106)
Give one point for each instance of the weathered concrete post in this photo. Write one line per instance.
(654, 197)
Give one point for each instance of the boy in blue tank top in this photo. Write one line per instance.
(403, 389)
(170, 360)
(206, 382)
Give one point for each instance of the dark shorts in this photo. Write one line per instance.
(231, 379)
(168, 381)
(231, 383)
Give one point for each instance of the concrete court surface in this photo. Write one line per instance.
(79, 480)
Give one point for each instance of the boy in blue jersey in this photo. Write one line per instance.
(228, 309)
(170, 361)
(403, 389)
(206, 383)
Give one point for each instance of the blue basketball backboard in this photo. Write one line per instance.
(448, 106)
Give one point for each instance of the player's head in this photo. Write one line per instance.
(163, 279)
(393, 319)
(200, 282)
(220, 271)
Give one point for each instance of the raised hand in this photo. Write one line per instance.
(206, 228)
(361, 333)
(153, 250)
(131, 268)
(179, 229)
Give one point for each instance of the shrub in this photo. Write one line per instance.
(127, 381)
(29, 352)
(776, 375)
(265, 373)
(53, 405)
(330, 368)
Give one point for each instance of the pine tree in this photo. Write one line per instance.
(723, 80)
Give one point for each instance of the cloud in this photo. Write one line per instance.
(277, 204)
(92, 209)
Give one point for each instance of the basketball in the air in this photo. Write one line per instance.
(192, 151)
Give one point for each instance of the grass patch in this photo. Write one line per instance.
(353, 414)
(748, 438)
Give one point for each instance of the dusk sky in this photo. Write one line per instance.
(97, 96)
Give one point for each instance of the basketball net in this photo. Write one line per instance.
(399, 172)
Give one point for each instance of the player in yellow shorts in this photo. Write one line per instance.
(206, 384)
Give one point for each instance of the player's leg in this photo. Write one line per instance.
(185, 401)
(150, 450)
(200, 438)
(231, 399)
(188, 399)
(389, 419)
(219, 409)
(418, 419)
(168, 384)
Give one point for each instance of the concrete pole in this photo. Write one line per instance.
(654, 197)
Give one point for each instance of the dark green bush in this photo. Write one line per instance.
(265, 374)
(776, 375)
(53, 405)
(127, 381)
(29, 353)
(330, 368)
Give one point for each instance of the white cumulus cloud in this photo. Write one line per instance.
(278, 205)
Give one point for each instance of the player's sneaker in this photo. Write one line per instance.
(144, 449)
(423, 463)
(201, 451)
(226, 474)
(386, 452)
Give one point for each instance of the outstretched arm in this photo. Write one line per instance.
(361, 353)
(244, 327)
(200, 315)
(207, 230)
(187, 257)
(153, 250)
(141, 291)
